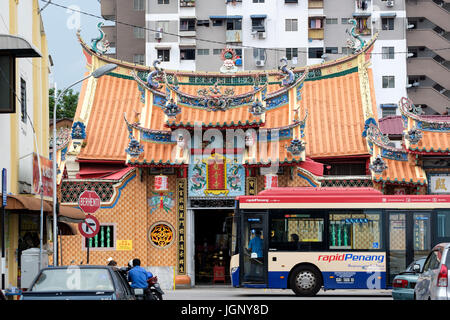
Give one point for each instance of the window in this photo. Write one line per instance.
(387, 23)
(139, 58)
(187, 54)
(7, 80)
(139, 33)
(217, 51)
(433, 261)
(388, 82)
(346, 50)
(164, 55)
(234, 24)
(258, 1)
(139, 5)
(163, 1)
(258, 24)
(202, 23)
(23, 100)
(355, 229)
(331, 50)
(387, 52)
(443, 224)
(291, 53)
(291, 25)
(259, 54)
(331, 21)
(290, 1)
(315, 23)
(217, 22)
(103, 239)
(162, 25)
(315, 53)
(295, 231)
(187, 24)
(203, 52)
(345, 20)
(386, 112)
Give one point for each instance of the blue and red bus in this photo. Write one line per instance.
(332, 238)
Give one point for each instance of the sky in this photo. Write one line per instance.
(61, 26)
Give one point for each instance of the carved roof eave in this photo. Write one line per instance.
(405, 105)
(375, 136)
(138, 127)
(144, 84)
(253, 73)
(295, 85)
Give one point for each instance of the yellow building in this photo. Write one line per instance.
(24, 127)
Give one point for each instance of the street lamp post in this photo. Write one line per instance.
(96, 74)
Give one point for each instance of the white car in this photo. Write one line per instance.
(432, 283)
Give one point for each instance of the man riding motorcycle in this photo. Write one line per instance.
(138, 277)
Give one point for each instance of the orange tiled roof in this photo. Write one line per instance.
(433, 142)
(402, 172)
(106, 132)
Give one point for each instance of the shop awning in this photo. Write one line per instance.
(224, 17)
(361, 14)
(67, 229)
(19, 202)
(26, 202)
(388, 14)
(70, 214)
(18, 47)
(258, 16)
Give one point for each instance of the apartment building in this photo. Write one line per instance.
(428, 40)
(263, 31)
(126, 43)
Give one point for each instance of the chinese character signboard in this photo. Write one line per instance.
(439, 183)
(181, 224)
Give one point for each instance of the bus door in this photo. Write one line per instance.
(253, 249)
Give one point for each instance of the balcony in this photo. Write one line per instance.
(233, 36)
(430, 39)
(430, 68)
(316, 34)
(187, 3)
(430, 97)
(429, 10)
(315, 4)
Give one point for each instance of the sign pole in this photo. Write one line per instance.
(4, 199)
(87, 254)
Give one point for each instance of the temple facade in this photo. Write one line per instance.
(168, 152)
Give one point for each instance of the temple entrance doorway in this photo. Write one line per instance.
(212, 246)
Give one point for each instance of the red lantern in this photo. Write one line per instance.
(161, 183)
(270, 181)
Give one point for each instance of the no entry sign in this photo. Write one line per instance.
(89, 201)
(90, 227)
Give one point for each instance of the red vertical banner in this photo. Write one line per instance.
(216, 175)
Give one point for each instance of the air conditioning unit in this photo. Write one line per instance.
(260, 63)
(262, 35)
(159, 34)
(390, 3)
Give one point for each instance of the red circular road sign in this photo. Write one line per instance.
(89, 227)
(89, 201)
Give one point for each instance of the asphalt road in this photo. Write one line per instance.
(225, 292)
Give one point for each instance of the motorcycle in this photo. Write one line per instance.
(155, 288)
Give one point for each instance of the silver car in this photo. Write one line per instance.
(432, 283)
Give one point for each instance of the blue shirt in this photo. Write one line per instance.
(138, 277)
(256, 245)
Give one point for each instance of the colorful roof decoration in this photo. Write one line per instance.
(135, 114)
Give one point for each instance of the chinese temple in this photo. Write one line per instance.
(168, 152)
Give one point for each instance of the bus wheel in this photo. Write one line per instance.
(305, 281)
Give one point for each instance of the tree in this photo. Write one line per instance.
(67, 104)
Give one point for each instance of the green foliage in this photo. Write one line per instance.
(67, 104)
